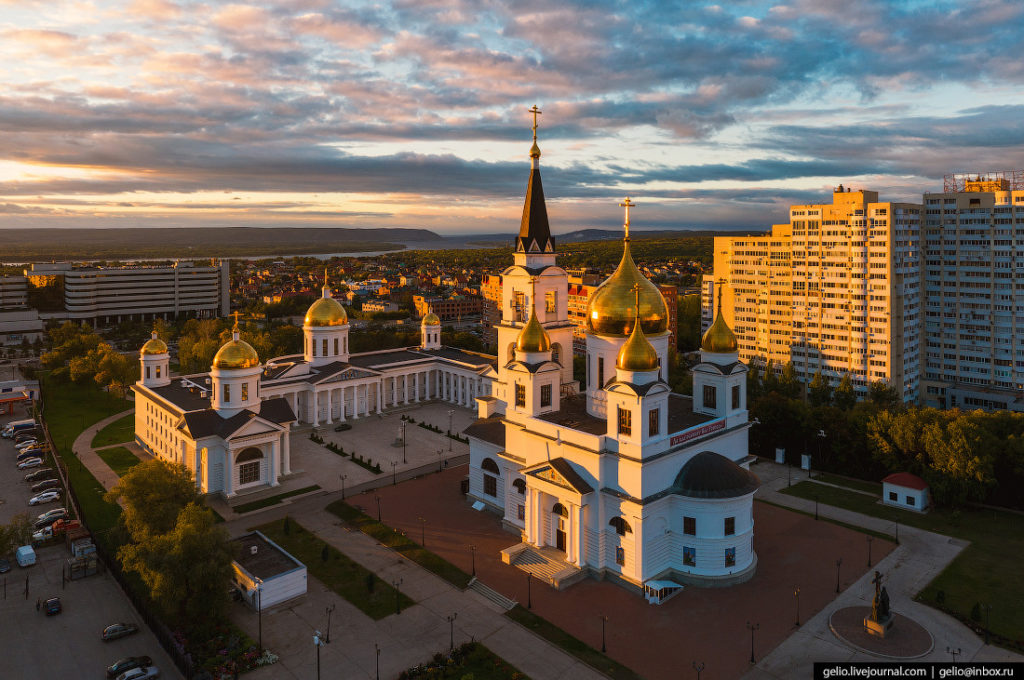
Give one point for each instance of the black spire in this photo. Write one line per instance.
(534, 230)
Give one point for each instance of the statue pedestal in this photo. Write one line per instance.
(877, 628)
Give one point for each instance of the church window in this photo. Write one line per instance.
(336, 347)
(227, 393)
(158, 371)
(625, 421)
(690, 526)
(730, 526)
(653, 422)
(245, 391)
(550, 302)
(519, 306)
(689, 556)
(600, 372)
(730, 557)
(620, 525)
(312, 343)
(325, 346)
(545, 395)
(736, 396)
(520, 395)
(620, 556)
(556, 353)
(590, 381)
(488, 465)
(521, 512)
(147, 372)
(490, 485)
(520, 486)
(710, 397)
(249, 473)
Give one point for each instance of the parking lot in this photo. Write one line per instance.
(68, 645)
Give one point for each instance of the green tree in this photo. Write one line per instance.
(819, 392)
(789, 385)
(884, 395)
(688, 320)
(198, 343)
(16, 533)
(186, 568)
(117, 371)
(152, 494)
(844, 396)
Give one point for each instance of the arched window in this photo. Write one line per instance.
(621, 526)
(249, 462)
(511, 351)
(520, 486)
(251, 453)
(490, 480)
(556, 353)
(560, 510)
(489, 465)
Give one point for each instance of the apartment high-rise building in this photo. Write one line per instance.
(974, 292)
(490, 289)
(13, 292)
(835, 291)
(582, 282)
(707, 303)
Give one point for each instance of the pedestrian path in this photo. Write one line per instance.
(88, 456)
(409, 638)
(920, 557)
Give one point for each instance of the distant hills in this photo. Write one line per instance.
(28, 245)
(615, 234)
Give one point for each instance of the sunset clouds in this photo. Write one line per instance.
(413, 113)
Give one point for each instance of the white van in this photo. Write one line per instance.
(26, 556)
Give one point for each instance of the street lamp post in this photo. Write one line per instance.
(796, 594)
(896, 520)
(451, 630)
(604, 620)
(330, 610)
(343, 478)
(839, 563)
(752, 627)
(440, 460)
(404, 460)
(451, 412)
(472, 554)
(377, 498)
(394, 472)
(816, 507)
(529, 599)
(377, 647)
(318, 643)
(870, 538)
(423, 532)
(698, 667)
(398, 595)
(988, 612)
(954, 652)
(259, 611)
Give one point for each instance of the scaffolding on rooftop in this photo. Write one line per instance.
(1001, 180)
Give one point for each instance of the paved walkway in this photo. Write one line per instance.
(406, 640)
(918, 559)
(88, 456)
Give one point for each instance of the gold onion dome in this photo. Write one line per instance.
(719, 338)
(637, 354)
(431, 319)
(611, 310)
(326, 311)
(236, 353)
(533, 337)
(154, 346)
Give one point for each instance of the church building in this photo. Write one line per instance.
(624, 479)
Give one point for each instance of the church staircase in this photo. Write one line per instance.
(491, 595)
(547, 564)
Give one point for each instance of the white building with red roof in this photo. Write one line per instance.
(904, 490)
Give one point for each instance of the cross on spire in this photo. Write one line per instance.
(236, 320)
(721, 284)
(627, 204)
(535, 111)
(636, 294)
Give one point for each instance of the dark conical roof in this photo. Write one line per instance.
(712, 475)
(534, 230)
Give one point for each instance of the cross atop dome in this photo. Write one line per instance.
(627, 204)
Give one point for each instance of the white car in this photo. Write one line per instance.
(30, 463)
(21, 446)
(44, 534)
(145, 673)
(45, 497)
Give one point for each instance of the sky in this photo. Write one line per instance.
(414, 113)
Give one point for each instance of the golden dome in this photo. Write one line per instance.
(719, 339)
(154, 346)
(637, 354)
(431, 319)
(533, 337)
(236, 353)
(326, 311)
(611, 308)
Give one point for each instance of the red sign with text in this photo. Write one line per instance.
(697, 432)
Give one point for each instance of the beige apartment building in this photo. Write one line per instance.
(835, 291)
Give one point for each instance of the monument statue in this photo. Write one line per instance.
(880, 620)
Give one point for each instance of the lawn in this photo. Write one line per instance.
(118, 432)
(856, 484)
(986, 572)
(339, 573)
(401, 544)
(572, 645)
(273, 500)
(471, 660)
(120, 459)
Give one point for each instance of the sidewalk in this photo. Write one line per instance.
(88, 456)
(406, 640)
(920, 556)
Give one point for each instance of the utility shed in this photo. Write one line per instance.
(265, 573)
(904, 490)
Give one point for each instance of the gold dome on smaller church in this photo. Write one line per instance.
(533, 337)
(236, 353)
(638, 354)
(326, 311)
(154, 346)
(719, 338)
(431, 319)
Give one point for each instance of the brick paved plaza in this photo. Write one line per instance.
(659, 642)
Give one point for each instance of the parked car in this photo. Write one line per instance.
(30, 463)
(44, 498)
(40, 475)
(119, 630)
(45, 485)
(25, 455)
(147, 673)
(44, 534)
(51, 516)
(52, 606)
(25, 444)
(126, 664)
(343, 427)
(5, 566)
(26, 434)
(61, 526)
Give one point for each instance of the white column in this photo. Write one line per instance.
(529, 515)
(394, 390)
(286, 454)
(295, 404)
(316, 408)
(229, 473)
(442, 376)
(416, 385)
(377, 390)
(355, 402)
(366, 393)
(341, 398)
(405, 386)
(581, 559)
(328, 421)
(275, 463)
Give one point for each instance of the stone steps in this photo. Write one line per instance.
(541, 567)
(491, 594)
